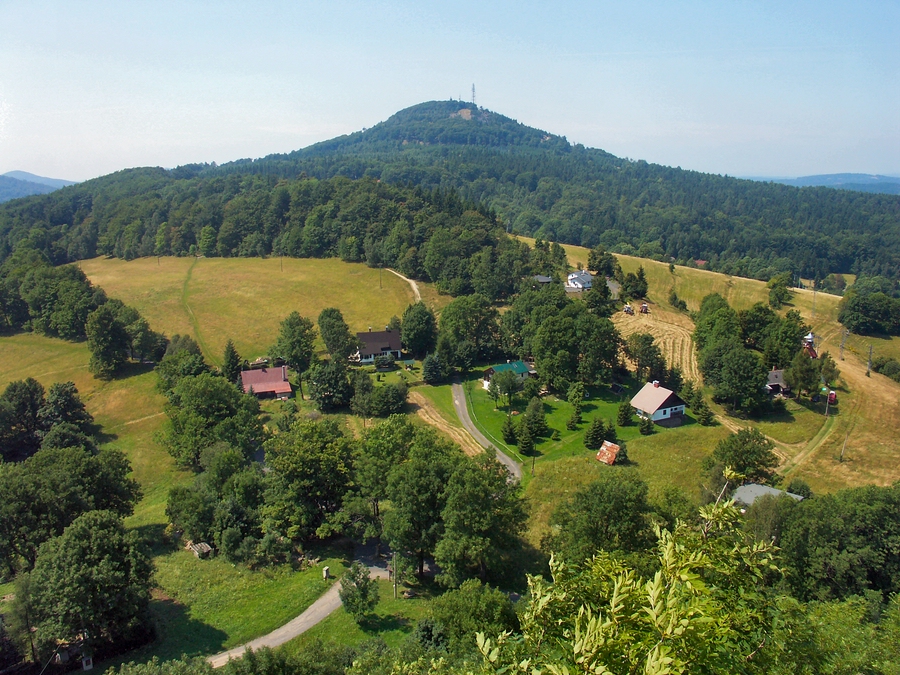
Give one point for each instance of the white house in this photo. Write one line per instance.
(657, 403)
(378, 343)
(579, 281)
(521, 370)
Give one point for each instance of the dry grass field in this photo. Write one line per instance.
(866, 422)
(214, 299)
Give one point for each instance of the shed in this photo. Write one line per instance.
(265, 382)
(608, 453)
(657, 402)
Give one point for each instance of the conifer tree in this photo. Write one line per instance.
(646, 426)
(509, 431)
(626, 412)
(231, 363)
(594, 436)
(524, 438)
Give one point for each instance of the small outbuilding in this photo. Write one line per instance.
(521, 369)
(749, 493)
(378, 343)
(541, 279)
(658, 403)
(608, 453)
(267, 382)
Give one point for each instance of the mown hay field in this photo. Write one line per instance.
(245, 299)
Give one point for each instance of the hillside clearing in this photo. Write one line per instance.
(245, 299)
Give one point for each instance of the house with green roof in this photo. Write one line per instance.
(521, 369)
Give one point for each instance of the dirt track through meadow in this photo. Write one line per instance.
(426, 410)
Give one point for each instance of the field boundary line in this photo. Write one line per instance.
(187, 308)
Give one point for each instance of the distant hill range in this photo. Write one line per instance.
(862, 182)
(535, 182)
(15, 184)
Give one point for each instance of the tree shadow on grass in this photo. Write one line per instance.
(177, 634)
(132, 369)
(153, 537)
(376, 624)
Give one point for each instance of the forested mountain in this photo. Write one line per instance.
(429, 235)
(862, 182)
(13, 188)
(537, 183)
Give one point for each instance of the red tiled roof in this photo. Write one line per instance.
(266, 380)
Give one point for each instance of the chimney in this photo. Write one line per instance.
(370, 329)
(387, 328)
(656, 383)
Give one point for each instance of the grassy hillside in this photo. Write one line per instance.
(867, 417)
(245, 299)
(202, 607)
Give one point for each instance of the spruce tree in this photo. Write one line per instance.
(534, 418)
(704, 413)
(626, 412)
(594, 436)
(524, 438)
(646, 426)
(231, 363)
(509, 431)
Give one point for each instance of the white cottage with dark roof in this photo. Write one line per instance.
(657, 402)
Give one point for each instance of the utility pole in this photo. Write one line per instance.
(844, 335)
(869, 364)
(844, 446)
(815, 290)
(394, 572)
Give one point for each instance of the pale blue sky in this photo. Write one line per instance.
(743, 88)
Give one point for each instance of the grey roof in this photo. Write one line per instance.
(541, 279)
(749, 493)
(776, 377)
(582, 277)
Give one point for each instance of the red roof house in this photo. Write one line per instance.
(267, 382)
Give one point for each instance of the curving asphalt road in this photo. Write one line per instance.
(316, 612)
(462, 411)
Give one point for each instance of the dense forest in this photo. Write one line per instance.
(530, 182)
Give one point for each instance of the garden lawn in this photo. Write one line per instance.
(392, 621)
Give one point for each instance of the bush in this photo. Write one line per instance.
(646, 427)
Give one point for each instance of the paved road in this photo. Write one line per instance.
(462, 411)
(316, 612)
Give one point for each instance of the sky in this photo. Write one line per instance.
(776, 89)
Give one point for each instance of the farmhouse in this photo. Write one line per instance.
(265, 382)
(520, 368)
(749, 493)
(579, 281)
(378, 343)
(658, 403)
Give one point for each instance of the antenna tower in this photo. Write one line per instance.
(473, 93)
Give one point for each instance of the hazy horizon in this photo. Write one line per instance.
(756, 89)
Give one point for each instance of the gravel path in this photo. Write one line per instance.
(412, 284)
(462, 410)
